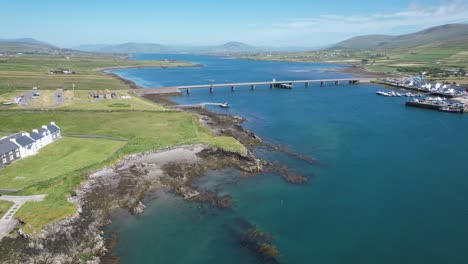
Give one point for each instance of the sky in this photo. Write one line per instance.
(301, 23)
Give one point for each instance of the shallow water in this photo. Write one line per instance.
(390, 187)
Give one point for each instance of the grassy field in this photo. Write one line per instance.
(434, 58)
(4, 206)
(27, 71)
(145, 131)
(61, 157)
(79, 100)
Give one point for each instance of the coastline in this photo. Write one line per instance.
(109, 189)
(351, 67)
(125, 184)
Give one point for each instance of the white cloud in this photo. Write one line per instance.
(330, 28)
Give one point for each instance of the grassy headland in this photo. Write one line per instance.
(144, 131)
(65, 155)
(60, 167)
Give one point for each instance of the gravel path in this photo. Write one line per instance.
(8, 222)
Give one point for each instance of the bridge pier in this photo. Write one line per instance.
(253, 87)
(321, 83)
(211, 89)
(306, 84)
(271, 86)
(188, 91)
(233, 88)
(336, 82)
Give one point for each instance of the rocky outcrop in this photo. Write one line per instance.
(79, 239)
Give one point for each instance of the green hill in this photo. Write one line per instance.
(439, 34)
(25, 45)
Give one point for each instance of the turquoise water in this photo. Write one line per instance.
(391, 186)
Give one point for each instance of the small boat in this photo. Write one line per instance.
(225, 105)
(451, 109)
(7, 103)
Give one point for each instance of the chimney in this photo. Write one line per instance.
(24, 134)
(45, 127)
(35, 131)
(53, 123)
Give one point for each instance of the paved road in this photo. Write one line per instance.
(8, 222)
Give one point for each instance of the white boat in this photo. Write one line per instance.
(225, 105)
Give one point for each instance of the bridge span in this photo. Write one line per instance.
(252, 85)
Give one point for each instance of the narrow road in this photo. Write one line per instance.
(8, 222)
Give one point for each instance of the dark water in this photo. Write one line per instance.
(391, 187)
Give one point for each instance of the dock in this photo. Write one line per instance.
(251, 85)
(437, 106)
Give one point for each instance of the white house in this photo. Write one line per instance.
(38, 138)
(54, 131)
(46, 136)
(26, 144)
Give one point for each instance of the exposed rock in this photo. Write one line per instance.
(79, 239)
(139, 209)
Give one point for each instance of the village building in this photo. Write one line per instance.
(26, 144)
(61, 71)
(9, 152)
(23, 144)
(54, 131)
(102, 94)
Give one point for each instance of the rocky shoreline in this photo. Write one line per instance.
(79, 239)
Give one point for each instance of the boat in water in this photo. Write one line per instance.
(224, 105)
(451, 109)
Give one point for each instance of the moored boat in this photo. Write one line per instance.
(450, 109)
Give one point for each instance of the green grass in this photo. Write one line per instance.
(4, 207)
(27, 71)
(58, 158)
(79, 100)
(440, 56)
(145, 131)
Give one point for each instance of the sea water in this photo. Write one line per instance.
(390, 186)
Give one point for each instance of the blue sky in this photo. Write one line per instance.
(203, 22)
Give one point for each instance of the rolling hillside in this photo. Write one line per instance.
(230, 47)
(25, 45)
(439, 34)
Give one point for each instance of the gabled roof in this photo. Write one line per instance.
(6, 146)
(36, 136)
(44, 131)
(53, 128)
(24, 141)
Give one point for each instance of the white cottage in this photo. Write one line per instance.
(26, 144)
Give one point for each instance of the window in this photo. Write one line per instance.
(4, 160)
(11, 157)
(17, 154)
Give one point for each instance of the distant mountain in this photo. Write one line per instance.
(439, 34)
(26, 45)
(227, 48)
